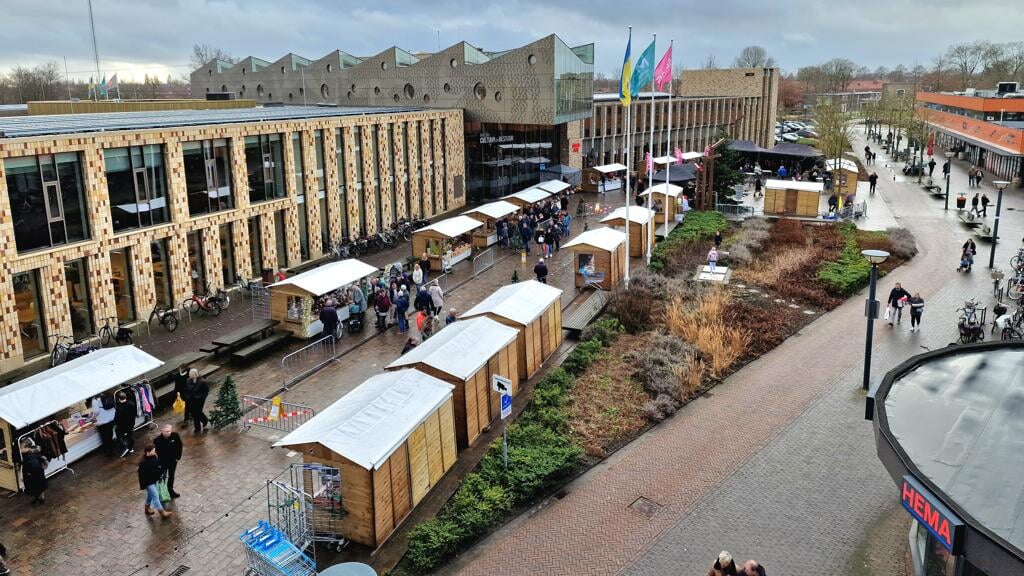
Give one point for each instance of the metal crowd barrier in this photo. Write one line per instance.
(273, 413)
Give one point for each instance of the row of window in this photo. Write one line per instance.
(48, 200)
(609, 119)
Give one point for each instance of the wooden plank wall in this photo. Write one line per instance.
(420, 474)
(356, 493)
(449, 447)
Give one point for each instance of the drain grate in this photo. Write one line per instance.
(645, 506)
(179, 570)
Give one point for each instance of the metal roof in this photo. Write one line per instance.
(27, 126)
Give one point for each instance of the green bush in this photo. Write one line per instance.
(433, 541)
(581, 356)
(696, 226)
(605, 330)
(851, 270)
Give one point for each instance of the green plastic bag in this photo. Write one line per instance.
(165, 494)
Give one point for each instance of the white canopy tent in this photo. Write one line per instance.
(604, 238)
(328, 277)
(461, 348)
(637, 214)
(687, 156)
(663, 189)
(453, 227)
(37, 397)
(521, 302)
(530, 195)
(608, 168)
(843, 163)
(665, 160)
(553, 186)
(369, 423)
(495, 210)
(794, 185)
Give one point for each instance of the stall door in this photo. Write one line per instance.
(792, 201)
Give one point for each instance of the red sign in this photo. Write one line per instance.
(575, 147)
(934, 515)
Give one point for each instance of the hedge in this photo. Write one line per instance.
(696, 226)
(850, 272)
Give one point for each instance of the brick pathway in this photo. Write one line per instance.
(776, 463)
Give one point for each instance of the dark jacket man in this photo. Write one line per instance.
(329, 318)
(168, 452)
(124, 422)
(541, 270)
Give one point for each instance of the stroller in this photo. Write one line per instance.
(355, 319)
(966, 261)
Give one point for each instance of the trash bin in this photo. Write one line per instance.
(961, 202)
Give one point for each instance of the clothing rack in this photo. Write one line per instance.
(145, 402)
(56, 464)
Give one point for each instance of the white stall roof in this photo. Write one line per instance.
(521, 302)
(603, 238)
(453, 227)
(843, 163)
(662, 189)
(369, 423)
(329, 277)
(37, 397)
(665, 160)
(605, 169)
(530, 195)
(687, 156)
(461, 348)
(553, 186)
(495, 210)
(794, 185)
(638, 214)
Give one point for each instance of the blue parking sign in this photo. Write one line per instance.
(506, 406)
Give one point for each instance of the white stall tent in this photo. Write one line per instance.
(687, 156)
(553, 186)
(637, 215)
(665, 160)
(40, 396)
(604, 238)
(461, 348)
(453, 227)
(521, 302)
(329, 277)
(609, 168)
(369, 423)
(794, 185)
(495, 210)
(530, 195)
(663, 189)
(842, 163)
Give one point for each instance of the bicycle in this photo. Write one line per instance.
(117, 333)
(1012, 326)
(221, 296)
(1017, 262)
(969, 324)
(209, 304)
(1015, 286)
(246, 287)
(167, 317)
(67, 348)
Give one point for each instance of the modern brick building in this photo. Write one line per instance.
(108, 215)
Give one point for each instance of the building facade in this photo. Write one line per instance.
(109, 215)
(742, 102)
(521, 106)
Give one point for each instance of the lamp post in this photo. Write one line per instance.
(1000, 184)
(875, 257)
(949, 162)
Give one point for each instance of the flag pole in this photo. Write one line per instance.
(629, 130)
(668, 146)
(650, 169)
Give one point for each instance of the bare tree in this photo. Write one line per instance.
(898, 73)
(881, 73)
(709, 62)
(917, 72)
(968, 58)
(39, 83)
(754, 57)
(204, 53)
(838, 73)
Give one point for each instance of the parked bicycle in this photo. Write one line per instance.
(971, 322)
(66, 348)
(1011, 326)
(209, 304)
(221, 295)
(247, 287)
(115, 332)
(1015, 286)
(166, 317)
(1017, 262)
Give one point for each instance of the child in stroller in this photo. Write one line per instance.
(966, 261)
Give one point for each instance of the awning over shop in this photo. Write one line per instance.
(53, 390)
(794, 150)
(521, 302)
(637, 214)
(665, 160)
(453, 227)
(369, 423)
(553, 186)
(495, 210)
(607, 239)
(328, 277)
(461, 348)
(608, 168)
(530, 195)
(747, 146)
(688, 156)
(663, 189)
(678, 173)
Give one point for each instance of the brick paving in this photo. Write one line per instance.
(777, 462)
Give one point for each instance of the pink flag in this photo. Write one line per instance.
(649, 161)
(663, 72)
(679, 155)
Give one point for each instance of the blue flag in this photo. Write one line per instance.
(643, 71)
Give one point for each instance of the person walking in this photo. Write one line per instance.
(450, 318)
(150, 473)
(436, 298)
(833, 203)
(168, 452)
(718, 239)
(945, 169)
(33, 471)
(401, 309)
(752, 568)
(104, 407)
(425, 266)
(898, 296)
(984, 205)
(712, 259)
(916, 308)
(124, 423)
(931, 167)
(974, 204)
(979, 176)
(782, 173)
(436, 323)
(417, 274)
(758, 185)
(382, 306)
(422, 300)
(723, 566)
(541, 271)
(180, 377)
(197, 390)
(538, 239)
(329, 318)
(873, 181)
(421, 324)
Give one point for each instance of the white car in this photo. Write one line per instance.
(790, 137)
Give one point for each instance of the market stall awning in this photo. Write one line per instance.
(37, 397)
(553, 186)
(606, 168)
(369, 423)
(794, 185)
(663, 189)
(530, 195)
(521, 302)
(453, 227)
(747, 146)
(841, 163)
(461, 348)
(637, 214)
(607, 239)
(665, 160)
(678, 173)
(328, 277)
(795, 150)
(495, 210)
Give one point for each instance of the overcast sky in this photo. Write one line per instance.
(156, 36)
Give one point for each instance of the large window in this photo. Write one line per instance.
(300, 192)
(318, 143)
(339, 141)
(47, 196)
(137, 185)
(76, 276)
(303, 229)
(264, 167)
(280, 239)
(29, 306)
(196, 261)
(375, 147)
(357, 187)
(227, 253)
(121, 278)
(162, 272)
(300, 175)
(208, 176)
(389, 158)
(255, 248)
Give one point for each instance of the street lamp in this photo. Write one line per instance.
(1000, 184)
(875, 257)
(949, 171)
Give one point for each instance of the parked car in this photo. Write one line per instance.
(807, 133)
(790, 137)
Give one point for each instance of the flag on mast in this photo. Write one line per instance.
(625, 82)
(103, 86)
(663, 72)
(643, 73)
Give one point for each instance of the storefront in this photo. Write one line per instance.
(489, 214)
(447, 242)
(948, 430)
(605, 178)
(52, 411)
(296, 301)
(599, 257)
(503, 157)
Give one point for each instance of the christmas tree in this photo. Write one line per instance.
(227, 409)
(515, 276)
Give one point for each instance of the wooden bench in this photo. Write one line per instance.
(265, 344)
(970, 220)
(210, 348)
(245, 333)
(170, 366)
(584, 313)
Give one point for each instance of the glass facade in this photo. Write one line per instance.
(374, 148)
(357, 186)
(503, 159)
(280, 239)
(227, 253)
(574, 82)
(264, 165)
(76, 276)
(29, 305)
(137, 186)
(121, 279)
(299, 175)
(339, 140)
(303, 229)
(389, 159)
(196, 262)
(161, 272)
(255, 249)
(207, 175)
(47, 196)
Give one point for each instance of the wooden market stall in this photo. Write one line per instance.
(55, 401)
(489, 214)
(605, 178)
(640, 220)
(467, 354)
(535, 311)
(391, 440)
(555, 187)
(665, 201)
(844, 176)
(448, 241)
(599, 257)
(792, 198)
(528, 197)
(294, 301)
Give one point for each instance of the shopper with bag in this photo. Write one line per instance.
(180, 377)
(168, 451)
(898, 297)
(196, 390)
(103, 407)
(150, 473)
(916, 308)
(124, 423)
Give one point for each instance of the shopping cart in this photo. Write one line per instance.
(305, 504)
(269, 553)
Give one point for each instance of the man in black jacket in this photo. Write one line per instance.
(180, 377)
(197, 390)
(124, 422)
(541, 270)
(895, 295)
(168, 451)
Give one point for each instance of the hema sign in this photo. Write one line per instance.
(926, 508)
